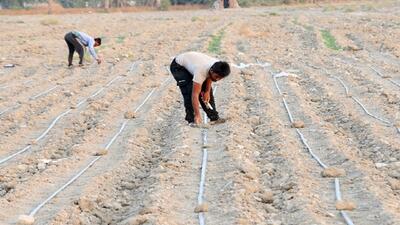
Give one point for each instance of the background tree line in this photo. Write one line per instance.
(15, 4)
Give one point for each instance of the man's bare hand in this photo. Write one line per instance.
(197, 119)
(206, 96)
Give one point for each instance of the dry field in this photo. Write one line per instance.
(332, 71)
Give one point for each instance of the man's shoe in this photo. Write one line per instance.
(218, 121)
(202, 125)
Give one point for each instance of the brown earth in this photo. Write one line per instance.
(258, 172)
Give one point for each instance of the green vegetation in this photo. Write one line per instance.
(329, 40)
(49, 22)
(215, 44)
(307, 27)
(367, 8)
(86, 56)
(329, 9)
(348, 9)
(165, 4)
(245, 3)
(120, 39)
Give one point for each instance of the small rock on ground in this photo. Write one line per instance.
(201, 208)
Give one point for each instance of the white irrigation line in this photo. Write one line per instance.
(277, 87)
(338, 195)
(304, 140)
(337, 184)
(382, 76)
(133, 66)
(98, 91)
(43, 93)
(148, 96)
(9, 109)
(343, 84)
(394, 82)
(287, 109)
(37, 208)
(47, 67)
(242, 65)
(361, 105)
(359, 102)
(53, 123)
(376, 71)
(15, 154)
(31, 98)
(200, 197)
(367, 112)
(28, 81)
(203, 174)
(107, 85)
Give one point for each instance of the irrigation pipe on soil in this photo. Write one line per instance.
(303, 139)
(53, 123)
(200, 197)
(43, 93)
(31, 98)
(9, 108)
(386, 122)
(37, 208)
(383, 76)
(35, 96)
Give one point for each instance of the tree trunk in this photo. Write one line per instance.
(158, 3)
(50, 6)
(106, 4)
(233, 4)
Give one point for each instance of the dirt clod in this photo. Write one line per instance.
(333, 172)
(298, 124)
(201, 208)
(25, 220)
(137, 220)
(86, 204)
(130, 115)
(101, 152)
(345, 205)
(267, 197)
(394, 184)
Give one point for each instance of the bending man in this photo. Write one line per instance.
(77, 41)
(194, 73)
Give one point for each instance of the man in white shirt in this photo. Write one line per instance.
(194, 73)
(76, 41)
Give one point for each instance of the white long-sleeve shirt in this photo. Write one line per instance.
(87, 41)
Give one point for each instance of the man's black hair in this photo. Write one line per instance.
(98, 40)
(221, 68)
